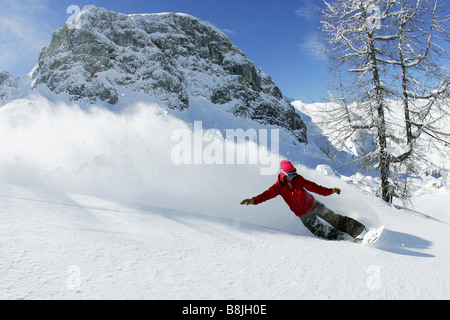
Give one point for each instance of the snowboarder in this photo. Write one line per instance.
(293, 188)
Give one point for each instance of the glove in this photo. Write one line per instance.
(337, 190)
(247, 201)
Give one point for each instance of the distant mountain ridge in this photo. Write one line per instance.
(171, 57)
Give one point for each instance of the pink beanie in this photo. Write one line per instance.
(286, 166)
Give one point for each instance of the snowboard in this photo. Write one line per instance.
(373, 235)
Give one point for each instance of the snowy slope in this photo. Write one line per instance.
(93, 206)
(67, 246)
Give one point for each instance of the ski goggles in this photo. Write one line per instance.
(291, 174)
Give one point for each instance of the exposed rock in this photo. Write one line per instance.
(8, 86)
(169, 56)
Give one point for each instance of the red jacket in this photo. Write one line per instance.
(298, 199)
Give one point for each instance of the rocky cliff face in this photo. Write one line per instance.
(8, 86)
(170, 56)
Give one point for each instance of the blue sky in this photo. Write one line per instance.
(276, 35)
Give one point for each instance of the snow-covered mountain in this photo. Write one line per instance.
(172, 58)
(144, 65)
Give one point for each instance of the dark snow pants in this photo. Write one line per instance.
(339, 223)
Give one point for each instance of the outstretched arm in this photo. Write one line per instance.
(314, 187)
(270, 193)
